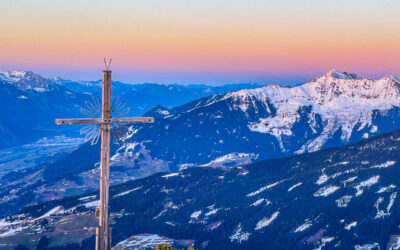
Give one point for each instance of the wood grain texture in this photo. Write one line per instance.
(104, 120)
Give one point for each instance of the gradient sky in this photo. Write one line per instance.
(207, 41)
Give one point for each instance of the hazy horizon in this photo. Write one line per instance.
(280, 80)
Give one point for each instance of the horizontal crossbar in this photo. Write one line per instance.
(103, 121)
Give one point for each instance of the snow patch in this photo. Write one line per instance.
(324, 241)
(260, 201)
(143, 241)
(367, 246)
(215, 225)
(303, 227)
(322, 179)
(384, 165)
(92, 204)
(386, 189)
(371, 181)
(87, 198)
(213, 211)
(264, 188)
(394, 243)
(50, 212)
(236, 158)
(127, 192)
(350, 225)
(343, 201)
(351, 179)
(266, 221)
(195, 215)
(383, 213)
(325, 191)
(171, 175)
(130, 133)
(39, 89)
(294, 186)
(12, 231)
(239, 235)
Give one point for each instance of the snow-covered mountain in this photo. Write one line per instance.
(268, 122)
(226, 130)
(34, 102)
(339, 103)
(30, 105)
(344, 198)
(26, 80)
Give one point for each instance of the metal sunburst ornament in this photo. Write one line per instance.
(118, 109)
(92, 109)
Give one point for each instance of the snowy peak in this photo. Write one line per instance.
(12, 76)
(341, 85)
(158, 111)
(340, 75)
(17, 75)
(391, 78)
(26, 80)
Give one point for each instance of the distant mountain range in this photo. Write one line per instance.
(256, 124)
(268, 122)
(32, 102)
(29, 105)
(223, 130)
(345, 197)
(143, 97)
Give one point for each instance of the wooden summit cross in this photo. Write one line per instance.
(103, 232)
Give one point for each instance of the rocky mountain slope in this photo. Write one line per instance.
(345, 197)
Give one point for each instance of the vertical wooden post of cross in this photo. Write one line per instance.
(103, 233)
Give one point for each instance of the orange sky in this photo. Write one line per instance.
(201, 41)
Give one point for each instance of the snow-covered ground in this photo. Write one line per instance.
(235, 158)
(142, 241)
(239, 234)
(266, 221)
(31, 154)
(325, 191)
(371, 181)
(265, 188)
